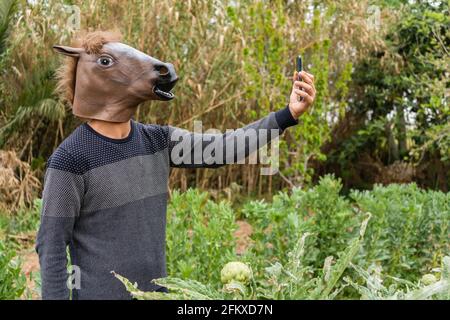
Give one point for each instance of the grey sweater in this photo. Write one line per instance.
(105, 199)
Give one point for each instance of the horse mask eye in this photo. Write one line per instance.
(105, 61)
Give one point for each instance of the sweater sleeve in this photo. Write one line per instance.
(62, 198)
(199, 150)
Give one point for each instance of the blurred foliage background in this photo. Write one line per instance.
(381, 68)
(381, 116)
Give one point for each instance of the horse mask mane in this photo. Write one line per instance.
(105, 79)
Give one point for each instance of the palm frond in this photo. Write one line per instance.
(7, 10)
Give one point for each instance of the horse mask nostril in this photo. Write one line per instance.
(163, 70)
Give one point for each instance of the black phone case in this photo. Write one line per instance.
(299, 67)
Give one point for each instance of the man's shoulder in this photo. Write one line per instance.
(63, 160)
(153, 133)
(66, 156)
(152, 129)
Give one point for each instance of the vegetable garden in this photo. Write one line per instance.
(387, 243)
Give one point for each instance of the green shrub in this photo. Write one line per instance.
(26, 220)
(199, 236)
(294, 281)
(406, 238)
(12, 281)
(428, 287)
(291, 281)
(409, 232)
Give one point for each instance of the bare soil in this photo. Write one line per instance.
(242, 235)
(30, 266)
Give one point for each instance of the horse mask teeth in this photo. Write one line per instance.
(105, 79)
(163, 94)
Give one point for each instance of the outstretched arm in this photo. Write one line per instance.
(200, 150)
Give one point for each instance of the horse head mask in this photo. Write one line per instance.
(105, 79)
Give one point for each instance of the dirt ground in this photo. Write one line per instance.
(242, 235)
(30, 265)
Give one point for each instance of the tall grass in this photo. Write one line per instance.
(235, 61)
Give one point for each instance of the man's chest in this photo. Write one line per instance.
(126, 181)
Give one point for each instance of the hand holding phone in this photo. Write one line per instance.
(303, 91)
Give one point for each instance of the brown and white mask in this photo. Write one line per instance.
(106, 79)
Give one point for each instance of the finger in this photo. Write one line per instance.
(304, 95)
(305, 86)
(311, 78)
(302, 85)
(306, 77)
(310, 75)
(295, 76)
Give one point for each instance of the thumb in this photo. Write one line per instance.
(295, 76)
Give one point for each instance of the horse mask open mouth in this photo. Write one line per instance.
(163, 91)
(106, 79)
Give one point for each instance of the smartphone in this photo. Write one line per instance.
(299, 68)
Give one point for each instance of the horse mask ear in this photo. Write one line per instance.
(68, 51)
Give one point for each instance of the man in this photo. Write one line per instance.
(105, 190)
